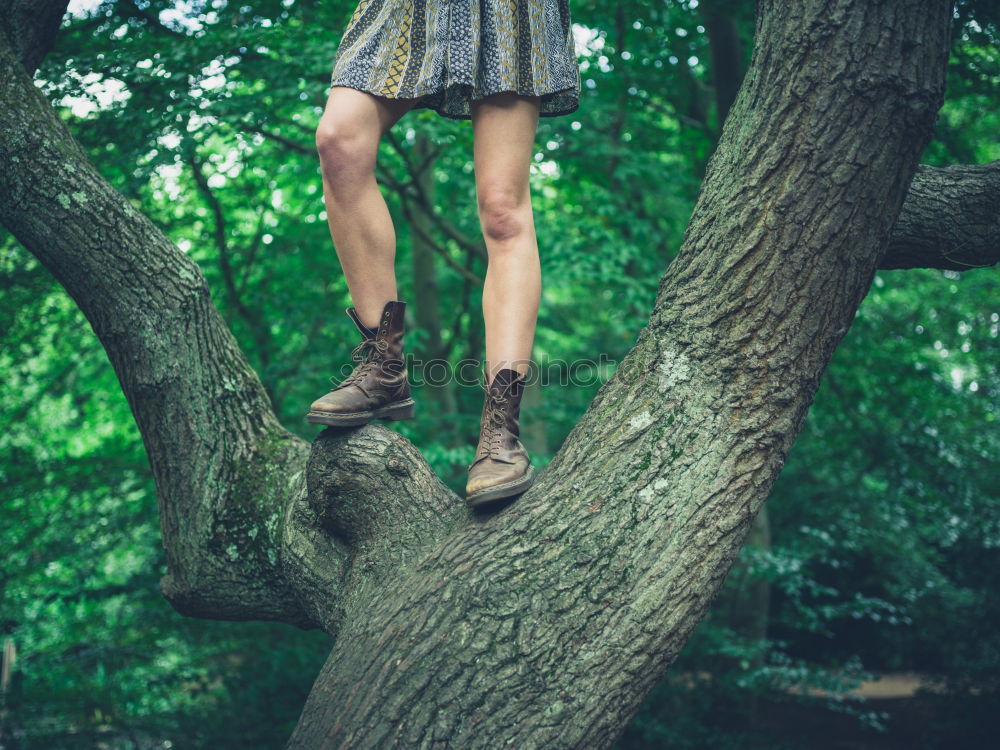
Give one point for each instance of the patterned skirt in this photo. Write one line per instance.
(448, 53)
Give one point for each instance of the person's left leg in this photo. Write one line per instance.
(503, 127)
(504, 135)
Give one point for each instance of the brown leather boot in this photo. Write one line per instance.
(501, 467)
(377, 388)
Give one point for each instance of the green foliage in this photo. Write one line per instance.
(886, 529)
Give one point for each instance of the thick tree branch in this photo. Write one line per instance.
(546, 624)
(374, 489)
(31, 27)
(951, 219)
(224, 467)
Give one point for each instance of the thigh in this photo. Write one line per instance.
(359, 112)
(503, 131)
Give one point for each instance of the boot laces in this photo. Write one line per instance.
(368, 353)
(496, 418)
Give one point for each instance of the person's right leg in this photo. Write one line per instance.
(347, 139)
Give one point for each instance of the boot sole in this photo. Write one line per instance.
(397, 411)
(500, 491)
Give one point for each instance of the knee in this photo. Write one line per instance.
(503, 213)
(342, 152)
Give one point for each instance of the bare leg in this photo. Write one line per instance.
(347, 140)
(504, 127)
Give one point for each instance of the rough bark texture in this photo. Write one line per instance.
(546, 623)
(31, 27)
(225, 470)
(951, 219)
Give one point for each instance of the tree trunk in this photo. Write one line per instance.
(225, 469)
(31, 27)
(727, 54)
(546, 623)
(426, 296)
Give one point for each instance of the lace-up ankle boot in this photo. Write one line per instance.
(377, 387)
(501, 467)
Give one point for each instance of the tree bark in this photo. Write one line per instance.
(230, 479)
(543, 624)
(546, 624)
(951, 219)
(31, 27)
